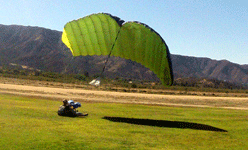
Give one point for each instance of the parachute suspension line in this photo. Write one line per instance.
(110, 53)
(97, 81)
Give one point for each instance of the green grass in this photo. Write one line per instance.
(31, 123)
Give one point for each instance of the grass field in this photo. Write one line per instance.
(31, 123)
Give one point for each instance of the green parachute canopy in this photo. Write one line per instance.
(104, 34)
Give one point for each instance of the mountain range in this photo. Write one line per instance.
(43, 49)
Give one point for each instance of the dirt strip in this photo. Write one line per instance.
(124, 97)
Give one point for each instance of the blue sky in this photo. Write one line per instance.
(217, 29)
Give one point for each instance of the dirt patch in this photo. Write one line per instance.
(124, 97)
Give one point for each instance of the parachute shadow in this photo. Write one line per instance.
(165, 123)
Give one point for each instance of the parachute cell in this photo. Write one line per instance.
(104, 34)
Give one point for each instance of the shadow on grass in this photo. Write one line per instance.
(164, 123)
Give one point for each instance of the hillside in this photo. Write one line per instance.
(43, 49)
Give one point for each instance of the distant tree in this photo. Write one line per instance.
(37, 73)
(86, 74)
(134, 85)
(16, 72)
(79, 77)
